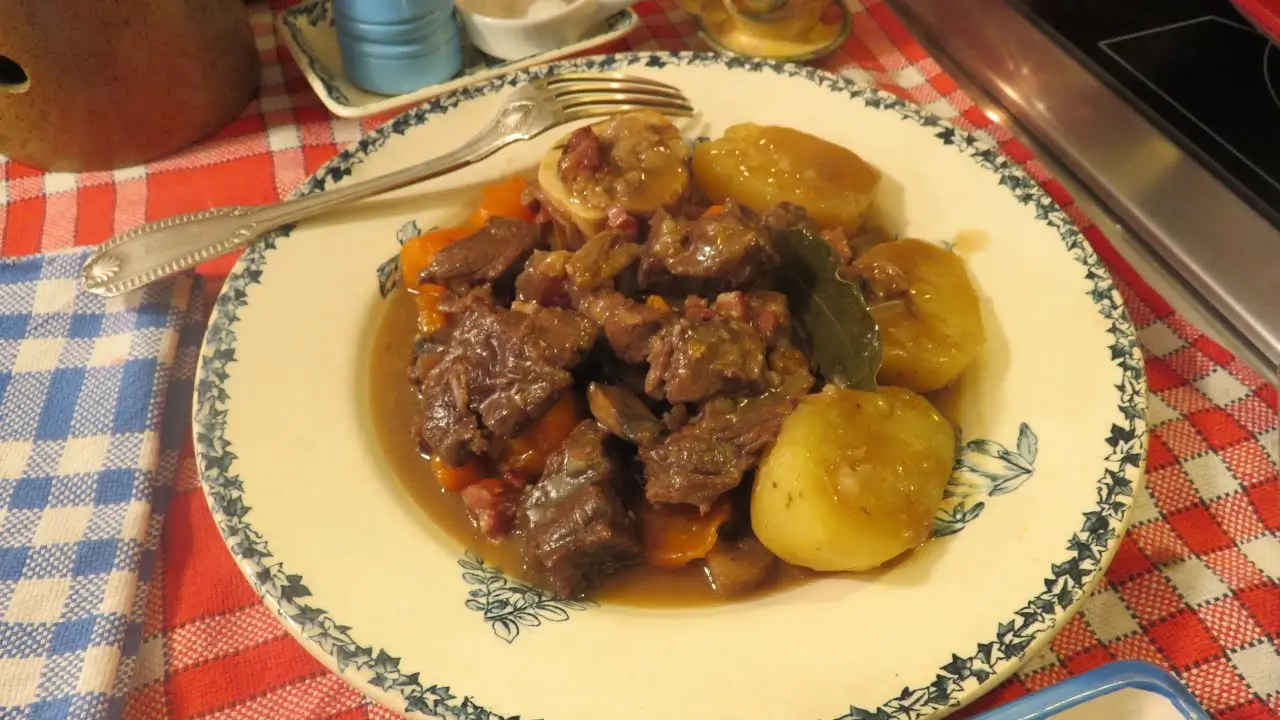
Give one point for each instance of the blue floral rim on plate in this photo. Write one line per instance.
(1085, 553)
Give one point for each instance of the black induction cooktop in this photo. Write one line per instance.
(1197, 68)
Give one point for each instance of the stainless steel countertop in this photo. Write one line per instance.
(1214, 258)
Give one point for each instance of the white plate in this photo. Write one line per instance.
(314, 515)
(307, 29)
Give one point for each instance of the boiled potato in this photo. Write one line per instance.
(639, 163)
(928, 312)
(761, 166)
(854, 479)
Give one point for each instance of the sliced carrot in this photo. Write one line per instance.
(713, 211)
(430, 319)
(657, 303)
(502, 199)
(457, 478)
(416, 254)
(676, 535)
(551, 430)
(527, 453)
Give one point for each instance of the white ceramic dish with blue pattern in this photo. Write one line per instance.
(1053, 418)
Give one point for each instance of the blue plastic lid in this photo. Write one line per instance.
(389, 12)
(1119, 687)
(393, 47)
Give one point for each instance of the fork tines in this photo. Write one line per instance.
(589, 94)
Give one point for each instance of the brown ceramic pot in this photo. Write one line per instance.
(100, 84)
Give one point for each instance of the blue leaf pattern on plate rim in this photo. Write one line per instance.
(507, 604)
(1067, 581)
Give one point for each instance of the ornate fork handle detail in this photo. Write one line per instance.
(167, 247)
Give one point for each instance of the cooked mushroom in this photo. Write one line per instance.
(738, 566)
(623, 414)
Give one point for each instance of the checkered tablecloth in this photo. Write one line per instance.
(1193, 588)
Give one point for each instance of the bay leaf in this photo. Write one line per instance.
(842, 337)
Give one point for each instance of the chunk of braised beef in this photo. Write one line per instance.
(750, 425)
(692, 360)
(631, 330)
(629, 326)
(545, 279)
(503, 367)
(708, 455)
(724, 251)
(575, 527)
(691, 467)
(449, 427)
(525, 364)
(458, 303)
(559, 336)
(623, 414)
(583, 154)
(599, 305)
(493, 253)
(738, 566)
(426, 353)
(599, 261)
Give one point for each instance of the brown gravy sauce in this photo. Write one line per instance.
(393, 406)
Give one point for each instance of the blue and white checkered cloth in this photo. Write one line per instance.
(94, 400)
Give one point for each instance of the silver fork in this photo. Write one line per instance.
(167, 247)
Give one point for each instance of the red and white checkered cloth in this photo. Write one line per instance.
(1193, 588)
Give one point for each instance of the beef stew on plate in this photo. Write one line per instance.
(697, 364)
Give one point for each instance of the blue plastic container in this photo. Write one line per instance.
(392, 47)
(1158, 695)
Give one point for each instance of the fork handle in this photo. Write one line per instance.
(167, 247)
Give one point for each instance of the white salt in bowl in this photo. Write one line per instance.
(516, 29)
